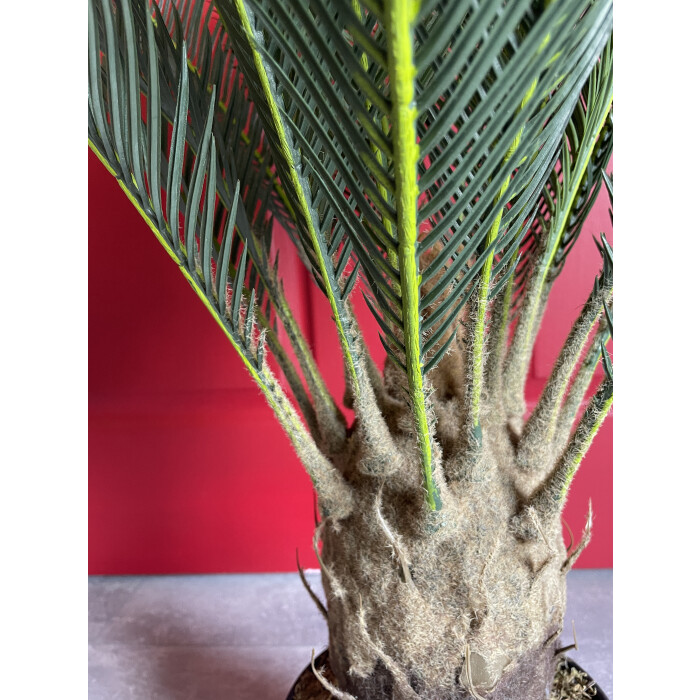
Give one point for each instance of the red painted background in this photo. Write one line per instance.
(188, 470)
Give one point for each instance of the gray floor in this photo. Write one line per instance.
(247, 636)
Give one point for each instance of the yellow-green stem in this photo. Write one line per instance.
(583, 448)
(399, 18)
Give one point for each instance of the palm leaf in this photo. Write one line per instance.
(586, 150)
(241, 133)
(180, 168)
(202, 219)
(563, 202)
(414, 140)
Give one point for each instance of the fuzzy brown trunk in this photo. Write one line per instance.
(464, 602)
(530, 679)
(455, 607)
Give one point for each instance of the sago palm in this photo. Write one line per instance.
(440, 157)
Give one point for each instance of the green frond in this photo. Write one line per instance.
(563, 203)
(573, 186)
(240, 135)
(608, 180)
(412, 142)
(181, 152)
(188, 171)
(320, 254)
(176, 118)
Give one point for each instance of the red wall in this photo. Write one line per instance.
(189, 471)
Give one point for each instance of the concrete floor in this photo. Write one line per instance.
(248, 636)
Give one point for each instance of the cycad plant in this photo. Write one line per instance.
(440, 157)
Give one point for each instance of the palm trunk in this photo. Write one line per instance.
(455, 608)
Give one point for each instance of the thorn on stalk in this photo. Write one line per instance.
(563, 650)
(571, 536)
(552, 637)
(583, 543)
(309, 590)
(317, 520)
